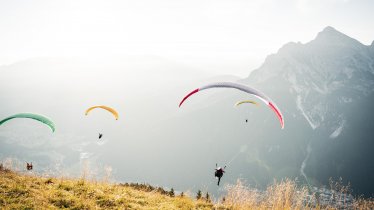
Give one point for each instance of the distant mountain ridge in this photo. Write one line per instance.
(327, 82)
(320, 68)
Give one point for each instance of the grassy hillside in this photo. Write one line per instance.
(20, 191)
(31, 192)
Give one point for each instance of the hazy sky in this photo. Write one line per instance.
(221, 36)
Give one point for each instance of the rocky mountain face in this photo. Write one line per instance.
(325, 89)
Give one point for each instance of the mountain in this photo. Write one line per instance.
(325, 89)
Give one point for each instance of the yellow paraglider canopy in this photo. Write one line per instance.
(111, 110)
(246, 101)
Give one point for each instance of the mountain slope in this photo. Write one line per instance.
(327, 83)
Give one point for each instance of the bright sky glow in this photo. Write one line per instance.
(221, 36)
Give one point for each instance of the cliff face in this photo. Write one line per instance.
(325, 88)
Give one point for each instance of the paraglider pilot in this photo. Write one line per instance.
(219, 173)
(100, 135)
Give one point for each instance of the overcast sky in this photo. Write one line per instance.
(221, 36)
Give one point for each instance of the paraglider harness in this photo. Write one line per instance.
(219, 173)
(29, 166)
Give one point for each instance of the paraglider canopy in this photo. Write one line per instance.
(109, 109)
(37, 117)
(244, 88)
(246, 102)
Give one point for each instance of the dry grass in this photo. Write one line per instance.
(282, 195)
(287, 195)
(31, 192)
(363, 204)
(19, 191)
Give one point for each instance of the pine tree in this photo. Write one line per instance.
(198, 195)
(182, 194)
(207, 197)
(171, 193)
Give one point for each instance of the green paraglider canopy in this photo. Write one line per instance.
(37, 117)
